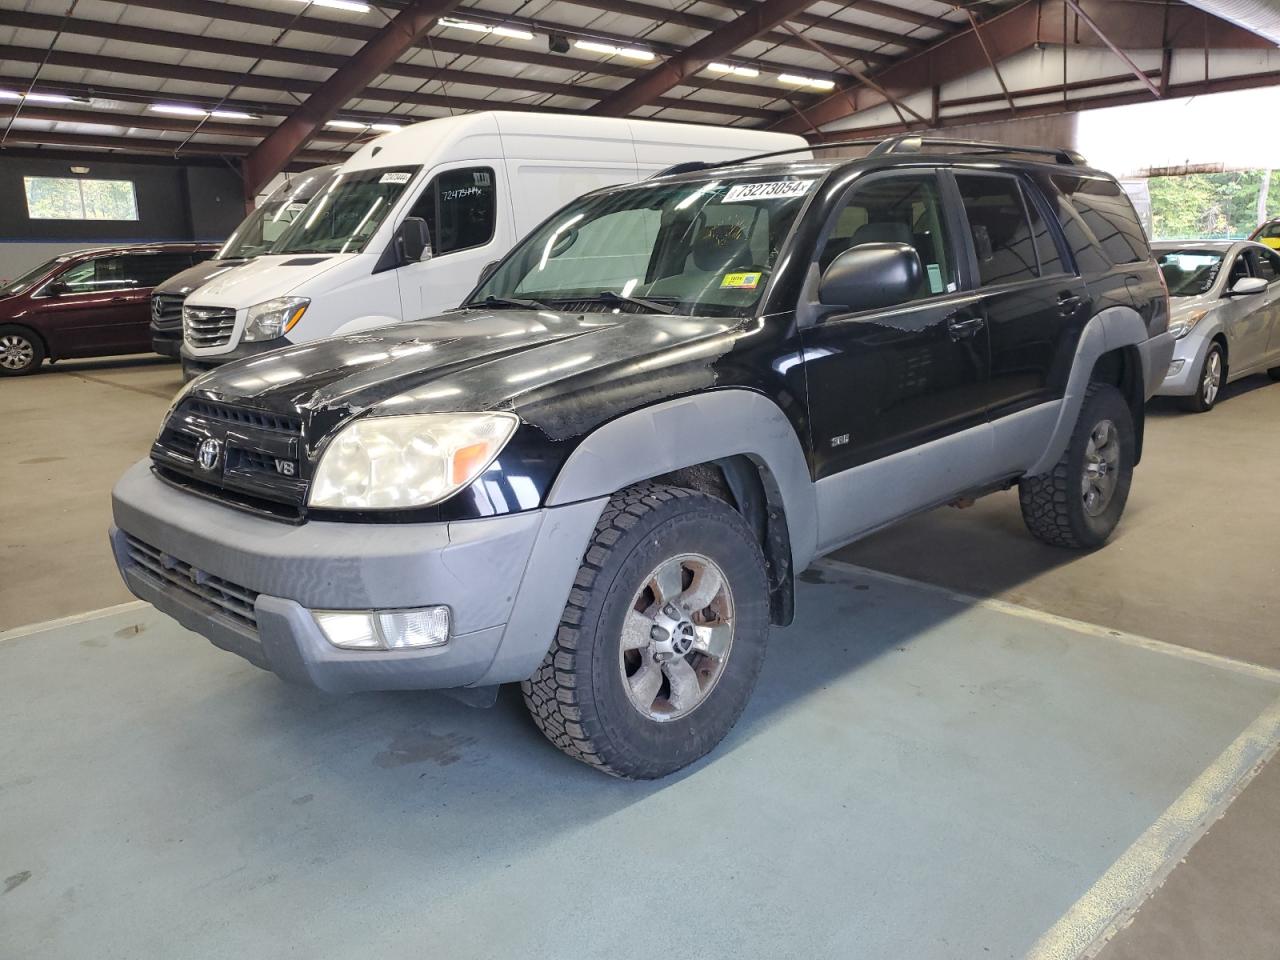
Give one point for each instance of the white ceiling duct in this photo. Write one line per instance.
(1257, 16)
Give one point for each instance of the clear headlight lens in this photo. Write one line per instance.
(275, 318)
(1183, 325)
(390, 630)
(390, 463)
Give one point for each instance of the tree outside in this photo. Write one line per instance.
(1206, 206)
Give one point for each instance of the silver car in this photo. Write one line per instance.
(1225, 298)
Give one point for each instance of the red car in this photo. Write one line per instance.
(91, 303)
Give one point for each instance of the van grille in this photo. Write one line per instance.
(177, 576)
(207, 326)
(166, 311)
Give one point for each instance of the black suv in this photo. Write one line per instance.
(600, 475)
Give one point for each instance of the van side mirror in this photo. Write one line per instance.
(871, 275)
(414, 240)
(1247, 287)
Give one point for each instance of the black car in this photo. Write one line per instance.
(600, 475)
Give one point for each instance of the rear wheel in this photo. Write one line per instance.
(1212, 375)
(21, 351)
(1078, 503)
(662, 639)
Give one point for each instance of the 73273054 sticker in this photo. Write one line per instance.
(768, 190)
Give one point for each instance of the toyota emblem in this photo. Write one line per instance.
(207, 453)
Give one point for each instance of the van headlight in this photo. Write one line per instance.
(275, 318)
(390, 463)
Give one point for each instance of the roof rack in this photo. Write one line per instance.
(903, 143)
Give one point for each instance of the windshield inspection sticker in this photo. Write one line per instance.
(400, 176)
(770, 190)
(740, 281)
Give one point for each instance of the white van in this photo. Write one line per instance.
(358, 256)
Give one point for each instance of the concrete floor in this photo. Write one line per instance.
(1194, 564)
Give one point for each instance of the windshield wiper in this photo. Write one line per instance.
(608, 296)
(492, 301)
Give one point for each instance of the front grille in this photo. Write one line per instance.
(230, 599)
(166, 311)
(257, 461)
(207, 326)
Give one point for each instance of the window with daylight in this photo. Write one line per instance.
(73, 198)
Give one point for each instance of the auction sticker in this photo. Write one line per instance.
(769, 190)
(396, 176)
(740, 281)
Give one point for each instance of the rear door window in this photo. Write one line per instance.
(153, 269)
(1107, 212)
(1000, 226)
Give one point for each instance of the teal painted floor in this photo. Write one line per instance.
(915, 777)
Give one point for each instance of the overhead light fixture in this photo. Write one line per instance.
(812, 83)
(613, 50)
(498, 30)
(36, 97)
(346, 125)
(79, 169)
(232, 115)
(351, 6)
(385, 127)
(729, 68)
(183, 110)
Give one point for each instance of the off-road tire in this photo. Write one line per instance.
(577, 697)
(1196, 403)
(34, 344)
(1053, 502)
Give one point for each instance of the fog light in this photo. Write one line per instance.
(1175, 367)
(390, 630)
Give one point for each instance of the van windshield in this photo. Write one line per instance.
(262, 228)
(30, 278)
(347, 213)
(704, 247)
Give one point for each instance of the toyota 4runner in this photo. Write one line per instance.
(600, 475)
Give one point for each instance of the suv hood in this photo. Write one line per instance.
(264, 278)
(535, 362)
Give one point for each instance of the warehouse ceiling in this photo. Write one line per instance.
(191, 78)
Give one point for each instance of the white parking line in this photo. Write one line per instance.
(1067, 623)
(1116, 896)
(30, 628)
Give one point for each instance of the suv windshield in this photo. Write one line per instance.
(28, 279)
(258, 231)
(347, 213)
(694, 247)
(1190, 273)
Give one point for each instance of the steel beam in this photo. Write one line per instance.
(759, 20)
(151, 146)
(986, 52)
(1111, 45)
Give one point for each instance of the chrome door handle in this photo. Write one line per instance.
(962, 325)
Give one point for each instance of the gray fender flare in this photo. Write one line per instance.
(692, 430)
(1109, 330)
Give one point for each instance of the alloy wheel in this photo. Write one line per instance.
(1211, 381)
(1101, 467)
(676, 637)
(16, 352)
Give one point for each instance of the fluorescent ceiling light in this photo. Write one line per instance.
(36, 97)
(177, 109)
(231, 115)
(352, 6)
(10, 95)
(632, 53)
(813, 83)
(385, 126)
(346, 125)
(733, 69)
(515, 33)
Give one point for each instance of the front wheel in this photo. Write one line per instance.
(1078, 503)
(662, 638)
(1210, 383)
(21, 351)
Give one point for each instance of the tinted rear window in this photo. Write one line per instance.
(1106, 212)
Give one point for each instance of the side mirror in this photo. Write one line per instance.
(56, 288)
(1247, 287)
(414, 240)
(487, 271)
(871, 275)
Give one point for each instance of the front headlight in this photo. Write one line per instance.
(275, 318)
(390, 463)
(1185, 324)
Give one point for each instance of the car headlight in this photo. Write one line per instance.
(390, 463)
(275, 318)
(1186, 323)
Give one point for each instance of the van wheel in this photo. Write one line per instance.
(662, 639)
(1212, 374)
(21, 351)
(1078, 503)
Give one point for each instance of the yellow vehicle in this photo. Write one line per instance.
(1268, 233)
